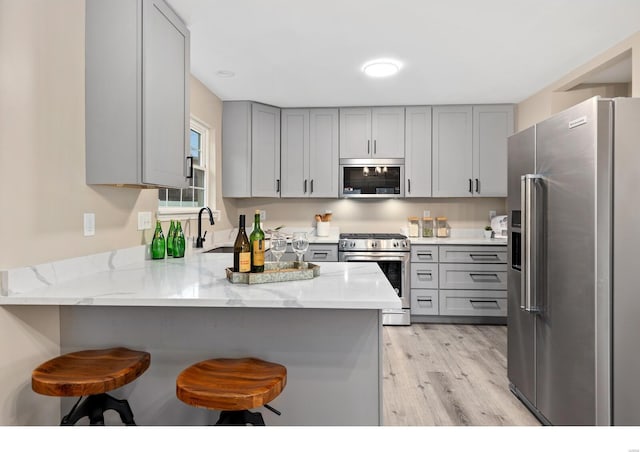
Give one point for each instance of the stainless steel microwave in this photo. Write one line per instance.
(375, 178)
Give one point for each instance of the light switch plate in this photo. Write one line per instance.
(144, 221)
(263, 216)
(492, 213)
(89, 224)
(427, 213)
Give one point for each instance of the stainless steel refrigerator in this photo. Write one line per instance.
(574, 264)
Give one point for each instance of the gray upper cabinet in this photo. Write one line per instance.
(265, 151)
(376, 132)
(470, 150)
(418, 152)
(250, 150)
(309, 153)
(452, 151)
(492, 124)
(137, 94)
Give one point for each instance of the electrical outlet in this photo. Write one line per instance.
(263, 216)
(492, 213)
(89, 224)
(144, 221)
(426, 214)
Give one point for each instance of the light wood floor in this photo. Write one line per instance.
(449, 375)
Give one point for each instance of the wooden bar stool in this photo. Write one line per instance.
(233, 386)
(91, 373)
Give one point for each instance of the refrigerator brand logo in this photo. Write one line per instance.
(578, 122)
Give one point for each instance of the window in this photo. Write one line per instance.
(187, 201)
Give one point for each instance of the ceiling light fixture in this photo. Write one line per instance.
(381, 68)
(225, 73)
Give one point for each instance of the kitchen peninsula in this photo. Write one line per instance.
(326, 331)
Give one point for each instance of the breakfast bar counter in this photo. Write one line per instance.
(326, 331)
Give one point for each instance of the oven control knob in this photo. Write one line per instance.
(396, 244)
(374, 244)
(404, 244)
(352, 244)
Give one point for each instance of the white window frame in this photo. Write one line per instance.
(207, 158)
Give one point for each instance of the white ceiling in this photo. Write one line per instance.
(304, 53)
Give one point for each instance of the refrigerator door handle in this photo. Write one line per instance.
(529, 243)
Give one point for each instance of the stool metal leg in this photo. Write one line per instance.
(94, 406)
(243, 417)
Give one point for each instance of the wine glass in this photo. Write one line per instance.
(299, 243)
(278, 247)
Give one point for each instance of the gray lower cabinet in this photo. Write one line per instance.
(458, 280)
(317, 252)
(250, 150)
(137, 94)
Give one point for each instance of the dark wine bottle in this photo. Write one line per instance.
(179, 243)
(158, 243)
(241, 249)
(257, 245)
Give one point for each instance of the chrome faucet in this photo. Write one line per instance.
(200, 239)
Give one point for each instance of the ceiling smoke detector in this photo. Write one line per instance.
(381, 68)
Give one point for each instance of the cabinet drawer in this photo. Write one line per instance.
(322, 253)
(473, 254)
(424, 302)
(487, 303)
(424, 253)
(424, 276)
(473, 276)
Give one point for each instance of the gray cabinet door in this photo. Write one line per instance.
(417, 168)
(165, 95)
(236, 149)
(424, 302)
(137, 94)
(265, 151)
(387, 132)
(355, 133)
(492, 124)
(452, 151)
(323, 153)
(294, 166)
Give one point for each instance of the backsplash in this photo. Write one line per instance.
(364, 215)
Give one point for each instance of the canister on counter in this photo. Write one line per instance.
(414, 227)
(442, 227)
(427, 227)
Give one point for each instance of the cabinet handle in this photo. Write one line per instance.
(426, 255)
(483, 257)
(424, 300)
(311, 192)
(485, 304)
(368, 146)
(485, 277)
(305, 185)
(190, 167)
(277, 185)
(470, 186)
(320, 254)
(423, 273)
(477, 186)
(374, 146)
(409, 185)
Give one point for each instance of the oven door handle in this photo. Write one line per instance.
(373, 258)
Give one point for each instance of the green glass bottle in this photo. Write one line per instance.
(257, 245)
(170, 238)
(158, 243)
(178, 241)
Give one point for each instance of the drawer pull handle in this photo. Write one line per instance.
(320, 253)
(485, 304)
(425, 300)
(424, 274)
(484, 257)
(425, 255)
(485, 277)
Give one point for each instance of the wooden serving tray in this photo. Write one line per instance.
(275, 272)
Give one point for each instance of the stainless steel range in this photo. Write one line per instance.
(392, 254)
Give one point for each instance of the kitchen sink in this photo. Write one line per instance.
(221, 249)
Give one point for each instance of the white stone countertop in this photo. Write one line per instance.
(197, 280)
(457, 241)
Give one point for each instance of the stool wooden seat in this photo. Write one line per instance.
(233, 386)
(91, 373)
